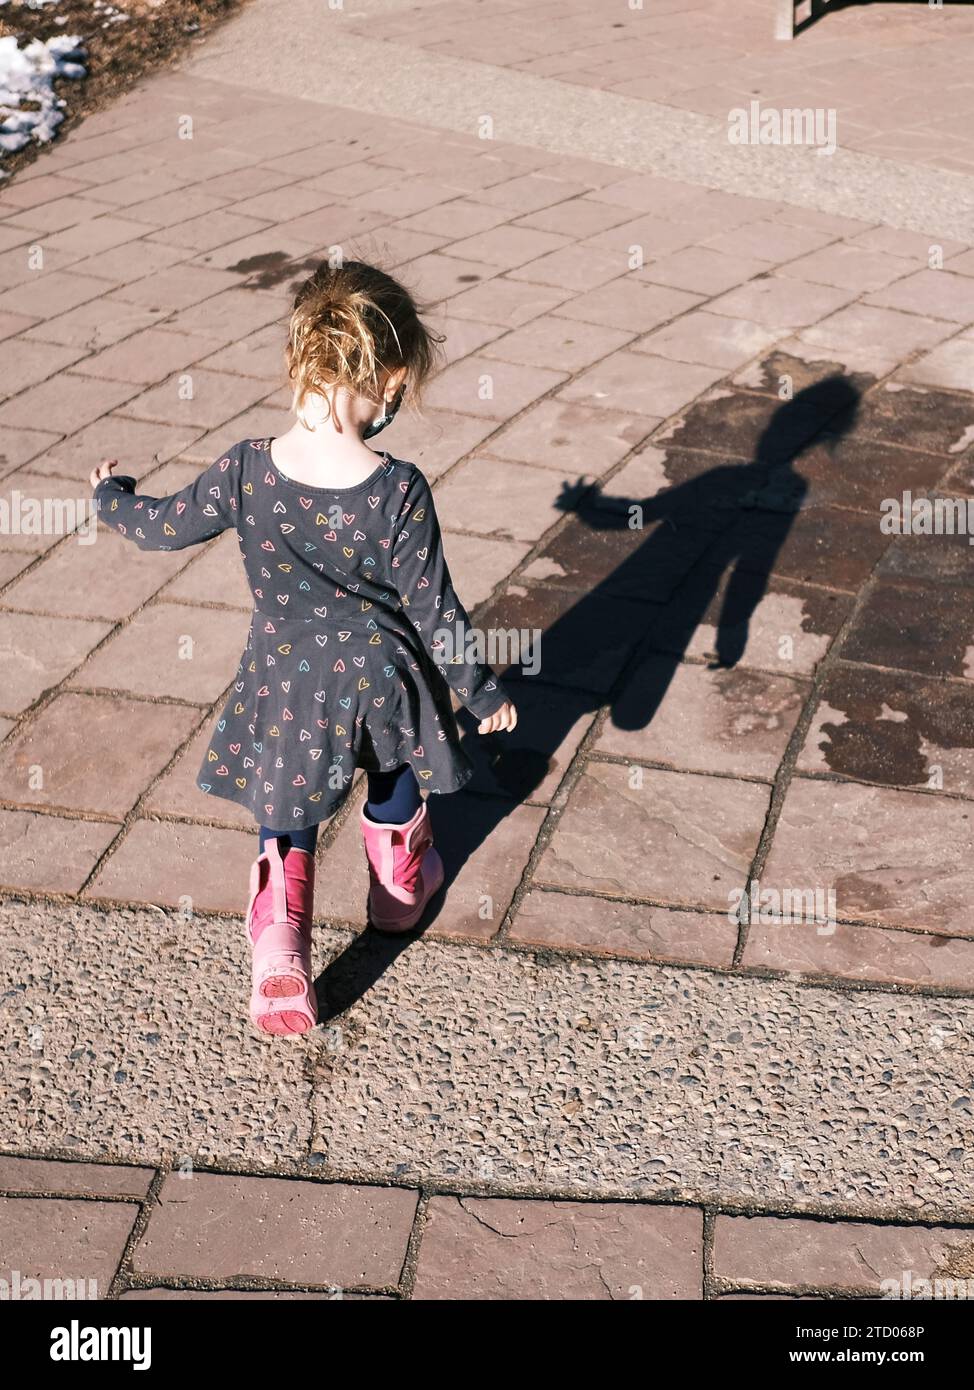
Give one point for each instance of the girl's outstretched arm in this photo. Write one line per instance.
(431, 604)
(210, 504)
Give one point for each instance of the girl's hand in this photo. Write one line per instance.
(504, 718)
(104, 470)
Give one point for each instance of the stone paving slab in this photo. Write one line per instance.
(668, 836)
(893, 728)
(861, 953)
(51, 854)
(48, 765)
(496, 1249)
(28, 1175)
(604, 927)
(701, 720)
(166, 862)
(570, 120)
(851, 1257)
(890, 856)
(221, 1227)
(59, 1239)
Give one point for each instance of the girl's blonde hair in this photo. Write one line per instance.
(351, 324)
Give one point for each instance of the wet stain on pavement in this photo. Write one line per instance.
(894, 729)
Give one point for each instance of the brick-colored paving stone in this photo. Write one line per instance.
(50, 854)
(62, 1240)
(569, 439)
(939, 422)
(915, 628)
(841, 1255)
(172, 650)
(307, 1233)
(488, 386)
(558, 342)
(893, 728)
(690, 717)
(65, 403)
(865, 325)
(215, 576)
(710, 340)
(25, 364)
(37, 653)
(12, 563)
(29, 1175)
(478, 564)
(861, 953)
(47, 762)
(437, 440)
(636, 381)
(199, 397)
(148, 356)
(891, 856)
(164, 862)
(859, 473)
(106, 579)
(140, 445)
(176, 792)
(506, 500)
(634, 306)
(597, 925)
(666, 835)
(43, 510)
(496, 1249)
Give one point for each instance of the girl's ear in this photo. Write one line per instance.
(395, 381)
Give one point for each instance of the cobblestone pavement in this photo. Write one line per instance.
(588, 1077)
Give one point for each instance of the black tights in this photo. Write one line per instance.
(393, 799)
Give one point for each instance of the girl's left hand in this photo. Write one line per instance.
(504, 718)
(103, 471)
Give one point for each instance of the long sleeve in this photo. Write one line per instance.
(430, 602)
(208, 505)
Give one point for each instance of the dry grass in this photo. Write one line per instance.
(154, 35)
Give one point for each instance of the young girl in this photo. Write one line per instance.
(347, 664)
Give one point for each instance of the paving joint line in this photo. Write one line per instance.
(328, 1176)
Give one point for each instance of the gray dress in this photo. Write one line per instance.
(356, 637)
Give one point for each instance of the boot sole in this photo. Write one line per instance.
(284, 1025)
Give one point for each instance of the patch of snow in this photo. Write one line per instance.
(29, 106)
(109, 14)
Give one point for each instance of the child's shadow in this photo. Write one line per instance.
(715, 533)
(725, 521)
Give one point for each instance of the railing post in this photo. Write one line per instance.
(784, 27)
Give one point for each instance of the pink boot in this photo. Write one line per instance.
(404, 868)
(282, 999)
